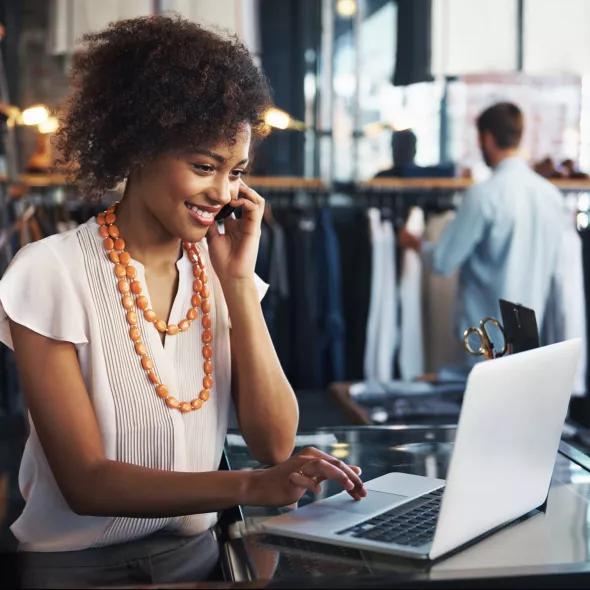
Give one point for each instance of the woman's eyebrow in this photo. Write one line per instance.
(218, 158)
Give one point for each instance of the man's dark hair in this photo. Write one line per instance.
(148, 85)
(505, 122)
(403, 146)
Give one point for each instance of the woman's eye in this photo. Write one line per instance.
(237, 173)
(205, 168)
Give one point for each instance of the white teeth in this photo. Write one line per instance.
(205, 214)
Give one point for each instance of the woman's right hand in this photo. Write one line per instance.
(286, 483)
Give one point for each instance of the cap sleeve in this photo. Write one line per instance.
(38, 293)
(261, 286)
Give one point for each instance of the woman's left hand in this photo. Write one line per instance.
(233, 254)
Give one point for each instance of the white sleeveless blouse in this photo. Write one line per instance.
(64, 288)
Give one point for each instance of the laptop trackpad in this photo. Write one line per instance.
(373, 503)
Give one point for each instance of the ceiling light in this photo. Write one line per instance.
(281, 120)
(49, 126)
(35, 115)
(346, 8)
(277, 118)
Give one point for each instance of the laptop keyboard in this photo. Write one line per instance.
(412, 525)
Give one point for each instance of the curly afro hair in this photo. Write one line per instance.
(154, 84)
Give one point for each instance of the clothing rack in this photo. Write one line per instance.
(317, 257)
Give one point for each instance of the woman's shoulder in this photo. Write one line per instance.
(64, 249)
(40, 289)
(58, 243)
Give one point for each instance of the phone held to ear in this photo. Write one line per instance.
(226, 211)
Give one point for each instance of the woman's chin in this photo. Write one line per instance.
(194, 236)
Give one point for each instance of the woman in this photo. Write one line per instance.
(122, 329)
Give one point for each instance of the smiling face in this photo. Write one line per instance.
(184, 192)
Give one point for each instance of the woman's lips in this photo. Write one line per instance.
(203, 216)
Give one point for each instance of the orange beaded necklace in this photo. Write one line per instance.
(127, 275)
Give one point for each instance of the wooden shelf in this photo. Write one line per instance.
(419, 183)
(278, 182)
(295, 183)
(284, 182)
(459, 183)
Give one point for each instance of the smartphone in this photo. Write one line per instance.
(226, 211)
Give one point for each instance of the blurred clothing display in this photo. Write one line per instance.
(302, 365)
(402, 402)
(329, 293)
(300, 256)
(352, 228)
(566, 309)
(411, 350)
(441, 347)
(382, 321)
(505, 239)
(272, 264)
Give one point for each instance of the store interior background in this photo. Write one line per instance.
(345, 74)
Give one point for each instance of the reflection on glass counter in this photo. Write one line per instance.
(539, 542)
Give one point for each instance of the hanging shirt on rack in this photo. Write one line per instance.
(352, 228)
(505, 240)
(382, 321)
(441, 348)
(411, 348)
(331, 320)
(566, 310)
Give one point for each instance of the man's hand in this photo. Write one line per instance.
(408, 240)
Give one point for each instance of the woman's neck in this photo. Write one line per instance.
(145, 237)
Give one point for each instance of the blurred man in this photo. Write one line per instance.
(403, 150)
(507, 233)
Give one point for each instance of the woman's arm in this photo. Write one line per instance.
(91, 484)
(266, 405)
(94, 485)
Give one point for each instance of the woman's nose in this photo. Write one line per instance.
(221, 191)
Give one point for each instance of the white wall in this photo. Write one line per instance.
(474, 36)
(70, 19)
(480, 36)
(239, 16)
(557, 36)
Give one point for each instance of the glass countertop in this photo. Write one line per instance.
(555, 542)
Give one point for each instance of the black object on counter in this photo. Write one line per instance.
(520, 327)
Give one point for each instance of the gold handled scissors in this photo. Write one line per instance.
(487, 346)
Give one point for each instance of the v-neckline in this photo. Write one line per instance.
(175, 311)
(183, 264)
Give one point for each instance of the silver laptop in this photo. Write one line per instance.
(507, 439)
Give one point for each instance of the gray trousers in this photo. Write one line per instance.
(157, 559)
